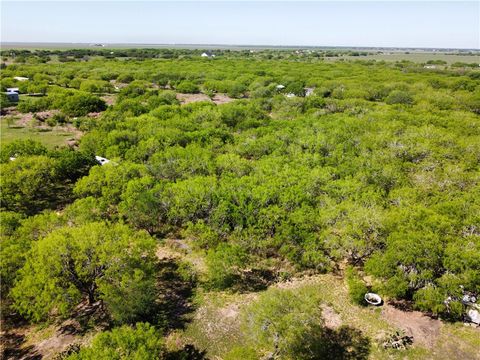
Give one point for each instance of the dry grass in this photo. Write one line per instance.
(215, 326)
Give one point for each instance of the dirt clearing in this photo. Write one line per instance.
(221, 99)
(425, 330)
(190, 98)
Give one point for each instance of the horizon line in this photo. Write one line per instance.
(199, 45)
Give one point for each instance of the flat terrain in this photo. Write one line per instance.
(420, 57)
(214, 325)
(50, 137)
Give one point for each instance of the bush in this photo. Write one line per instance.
(187, 87)
(59, 118)
(34, 105)
(224, 264)
(289, 325)
(163, 98)
(96, 86)
(356, 287)
(399, 97)
(28, 184)
(125, 343)
(125, 78)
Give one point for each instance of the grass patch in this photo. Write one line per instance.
(50, 139)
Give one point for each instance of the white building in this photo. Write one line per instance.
(207, 54)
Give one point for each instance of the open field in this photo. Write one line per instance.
(51, 138)
(420, 57)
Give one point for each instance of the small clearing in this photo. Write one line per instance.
(425, 330)
(215, 326)
(221, 99)
(190, 98)
(109, 99)
(333, 320)
(20, 126)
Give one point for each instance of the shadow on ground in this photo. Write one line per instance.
(175, 289)
(12, 339)
(343, 343)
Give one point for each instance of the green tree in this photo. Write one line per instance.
(90, 262)
(142, 204)
(18, 235)
(356, 287)
(21, 148)
(28, 184)
(399, 97)
(80, 104)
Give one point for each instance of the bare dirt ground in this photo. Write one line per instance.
(425, 330)
(21, 341)
(109, 99)
(118, 85)
(189, 98)
(332, 319)
(221, 99)
(217, 98)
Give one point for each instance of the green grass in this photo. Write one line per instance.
(50, 139)
(414, 57)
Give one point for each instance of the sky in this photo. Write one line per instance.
(432, 24)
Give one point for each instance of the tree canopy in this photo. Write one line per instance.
(96, 261)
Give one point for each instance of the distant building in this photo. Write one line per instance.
(280, 87)
(208, 54)
(12, 94)
(21, 78)
(429, 67)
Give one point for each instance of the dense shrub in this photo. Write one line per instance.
(140, 342)
(399, 97)
(80, 104)
(356, 287)
(187, 87)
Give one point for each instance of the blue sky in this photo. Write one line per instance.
(317, 23)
